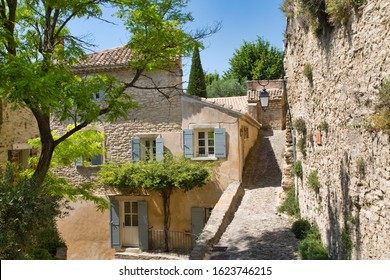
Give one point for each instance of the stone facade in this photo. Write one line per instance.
(349, 64)
(157, 116)
(15, 132)
(275, 116)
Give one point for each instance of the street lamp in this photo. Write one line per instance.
(264, 99)
(264, 96)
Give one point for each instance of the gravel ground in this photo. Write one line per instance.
(257, 231)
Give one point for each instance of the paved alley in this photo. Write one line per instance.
(257, 232)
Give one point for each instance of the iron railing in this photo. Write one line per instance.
(177, 241)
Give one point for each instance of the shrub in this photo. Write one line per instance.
(308, 72)
(358, 3)
(301, 144)
(288, 8)
(300, 125)
(301, 228)
(311, 247)
(360, 166)
(339, 11)
(324, 126)
(41, 254)
(346, 243)
(27, 217)
(314, 183)
(290, 205)
(298, 170)
(381, 120)
(312, 6)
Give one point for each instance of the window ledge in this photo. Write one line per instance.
(204, 158)
(89, 166)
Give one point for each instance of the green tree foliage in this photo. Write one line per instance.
(164, 177)
(37, 51)
(254, 60)
(27, 218)
(211, 77)
(82, 144)
(197, 82)
(225, 87)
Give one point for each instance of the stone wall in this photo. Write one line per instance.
(353, 163)
(16, 128)
(156, 115)
(275, 116)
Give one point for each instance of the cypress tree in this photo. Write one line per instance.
(197, 82)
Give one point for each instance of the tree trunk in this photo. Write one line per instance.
(166, 195)
(48, 146)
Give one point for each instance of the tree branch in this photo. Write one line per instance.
(77, 10)
(159, 88)
(79, 127)
(138, 74)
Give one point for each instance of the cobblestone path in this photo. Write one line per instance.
(257, 231)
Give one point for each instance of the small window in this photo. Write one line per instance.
(147, 149)
(93, 161)
(20, 157)
(99, 96)
(204, 143)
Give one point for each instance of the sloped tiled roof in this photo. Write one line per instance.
(115, 57)
(236, 103)
(274, 94)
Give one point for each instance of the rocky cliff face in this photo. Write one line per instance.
(349, 63)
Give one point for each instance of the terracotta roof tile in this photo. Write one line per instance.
(118, 56)
(274, 93)
(237, 103)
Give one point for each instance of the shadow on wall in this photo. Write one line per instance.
(261, 166)
(262, 248)
(339, 238)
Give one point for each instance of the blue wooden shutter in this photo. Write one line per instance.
(220, 142)
(188, 143)
(115, 225)
(143, 228)
(159, 149)
(97, 160)
(135, 149)
(197, 221)
(102, 95)
(79, 162)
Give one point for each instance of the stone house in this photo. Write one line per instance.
(181, 125)
(222, 130)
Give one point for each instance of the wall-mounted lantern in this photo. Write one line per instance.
(264, 96)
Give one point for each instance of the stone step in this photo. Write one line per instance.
(140, 255)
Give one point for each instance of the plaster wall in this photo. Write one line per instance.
(198, 114)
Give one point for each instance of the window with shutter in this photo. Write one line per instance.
(99, 96)
(147, 148)
(188, 143)
(204, 143)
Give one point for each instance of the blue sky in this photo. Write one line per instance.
(241, 20)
